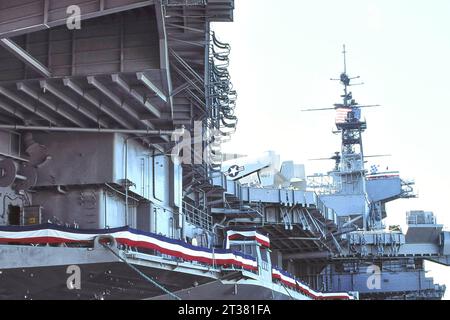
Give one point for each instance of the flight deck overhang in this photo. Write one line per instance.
(120, 100)
(130, 66)
(24, 16)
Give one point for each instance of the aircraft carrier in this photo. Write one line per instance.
(113, 186)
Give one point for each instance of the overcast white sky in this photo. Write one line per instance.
(284, 53)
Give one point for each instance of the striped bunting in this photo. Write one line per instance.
(246, 236)
(289, 281)
(52, 234)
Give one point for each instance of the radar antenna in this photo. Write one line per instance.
(349, 124)
(346, 81)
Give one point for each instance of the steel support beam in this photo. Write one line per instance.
(135, 95)
(307, 255)
(149, 84)
(40, 98)
(91, 99)
(300, 239)
(281, 235)
(29, 107)
(90, 130)
(164, 52)
(192, 83)
(181, 88)
(185, 28)
(123, 105)
(25, 57)
(186, 66)
(196, 98)
(11, 110)
(69, 101)
(116, 100)
(199, 43)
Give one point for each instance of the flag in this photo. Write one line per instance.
(341, 114)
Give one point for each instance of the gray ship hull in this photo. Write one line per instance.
(223, 290)
(42, 273)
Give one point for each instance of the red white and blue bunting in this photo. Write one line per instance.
(247, 236)
(53, 234)
(290, 281)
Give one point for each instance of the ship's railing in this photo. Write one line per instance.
(420, 217)
(408, 191)
(383, 175)
(324, 184)
(197, 216)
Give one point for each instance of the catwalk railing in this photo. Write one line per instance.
(197, 217)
